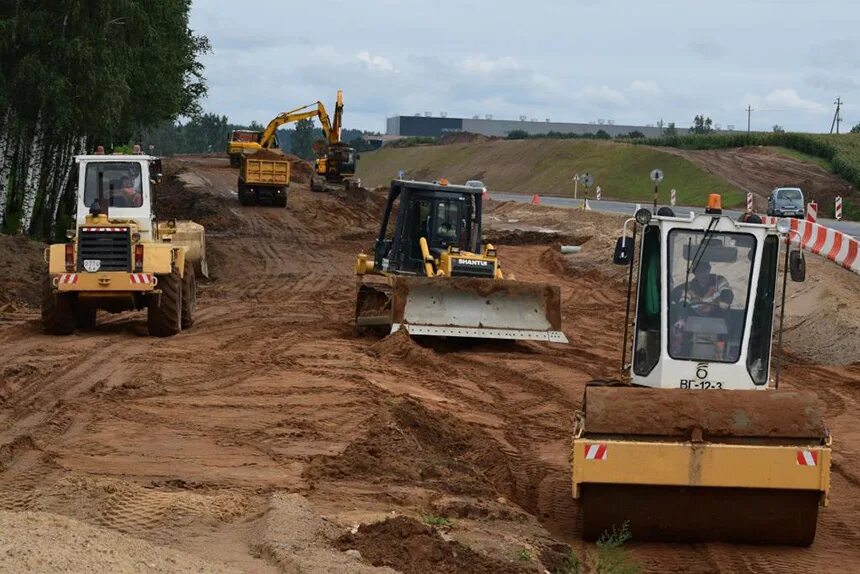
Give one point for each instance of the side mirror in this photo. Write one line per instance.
(797, 266)
(358, 156)
(623, 251)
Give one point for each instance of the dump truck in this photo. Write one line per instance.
(430, 273)
(696, 442)
(119, 257)
(264, 177)
(241, 140)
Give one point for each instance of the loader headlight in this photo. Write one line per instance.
(643, 216)
(135, 237)
(491, 252)
(70, 233)
(454, 249)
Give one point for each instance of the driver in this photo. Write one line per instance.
(707, 294)
(130, 196)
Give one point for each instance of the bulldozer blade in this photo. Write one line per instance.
(477, 308)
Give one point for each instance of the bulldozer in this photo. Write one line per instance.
(696, 442)
(119, 257)
(431, 275)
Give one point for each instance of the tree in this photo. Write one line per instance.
(856, 129)
(702, 125)
(303, 139)
(518, 135)
(778, 129)
(635, 134)
(602, 134)
(670, 131)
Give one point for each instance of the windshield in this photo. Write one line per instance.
(709, 277)
(120, 184)
(790, 194)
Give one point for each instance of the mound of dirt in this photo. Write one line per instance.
(414, 548)
(464, 137)
(21, 270)
(42, 542)
(410, 444)
(176, 200)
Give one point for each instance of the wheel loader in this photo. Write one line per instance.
(431, 275)
(119, 257)
(697, 443)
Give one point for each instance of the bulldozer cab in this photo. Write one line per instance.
(447, 216)
(704, 303)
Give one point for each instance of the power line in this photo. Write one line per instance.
(837, 119)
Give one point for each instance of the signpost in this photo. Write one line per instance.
(672, 197)
(839, 207)
(749, 201)
(587, 180)
(656, 177)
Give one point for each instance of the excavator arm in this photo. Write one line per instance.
(298, 114)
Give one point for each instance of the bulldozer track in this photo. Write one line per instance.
(181, 440)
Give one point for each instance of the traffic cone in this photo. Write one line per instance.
(535, 199)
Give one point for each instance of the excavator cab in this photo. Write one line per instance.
(694, 445)
(431, 274)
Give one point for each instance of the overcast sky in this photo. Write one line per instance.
(631, 61)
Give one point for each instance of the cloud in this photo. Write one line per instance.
(601, 97)
(832, 82)
(375, 63)
(644, 88)
(788, 98)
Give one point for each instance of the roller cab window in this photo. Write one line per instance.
(709, 278)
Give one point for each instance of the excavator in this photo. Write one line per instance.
(696, 442)
(431, 275)
(335, 162)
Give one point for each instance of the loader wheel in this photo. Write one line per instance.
(189, 295)
(58, 310)
(85, 316)
(164, 314)
(280, 201)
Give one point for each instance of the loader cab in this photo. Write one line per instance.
(447, 216)
(118, 186)
(704, 303)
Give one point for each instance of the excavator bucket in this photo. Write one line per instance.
(736, 466)
(464, 307)
(191, 235)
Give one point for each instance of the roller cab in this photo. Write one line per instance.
(698, 443)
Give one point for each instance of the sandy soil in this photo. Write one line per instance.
(271, 438)
(760, 169)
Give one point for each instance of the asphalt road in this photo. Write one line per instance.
(849, 227)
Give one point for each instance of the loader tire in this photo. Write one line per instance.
(85, 317)
(280, 201)
(58, 311)
(189, 295)
(164, 314)
(245, 197)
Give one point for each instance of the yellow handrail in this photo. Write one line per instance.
(428, 259)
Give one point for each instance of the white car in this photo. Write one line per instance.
(476, 183)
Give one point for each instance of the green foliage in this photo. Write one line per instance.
(570, 565)
(611, 557)
(303, 139)
(414, 141)
(702, 125)
(671, 130)
(518, 135)
(434, 520)
(856, 129)
(524, 555)
(778, 129)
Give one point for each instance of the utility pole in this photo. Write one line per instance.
(749, 117)
(836, 117)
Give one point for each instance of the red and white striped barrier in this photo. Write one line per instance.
(68, 278)
(838, 247)
(140, 278)
(812, 211)
(673, 197)
(104, 229)
(750, 201)
(838, 209)
(597, 193)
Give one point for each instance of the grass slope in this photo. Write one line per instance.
(546, 167)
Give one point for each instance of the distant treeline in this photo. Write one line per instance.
(208, 133)
(77, 72)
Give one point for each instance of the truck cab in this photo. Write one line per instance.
(786, 202)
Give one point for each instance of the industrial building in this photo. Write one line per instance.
(424, 125)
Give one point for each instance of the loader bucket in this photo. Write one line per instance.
(191, 235)
(479, 308)
(686, 466)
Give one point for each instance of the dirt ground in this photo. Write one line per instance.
(760, 169)
(271, 438)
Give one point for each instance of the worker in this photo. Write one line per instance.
(707, 295)
(129, 196)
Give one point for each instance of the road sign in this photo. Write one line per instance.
(400, 174)
(587, 179)
(657, 175)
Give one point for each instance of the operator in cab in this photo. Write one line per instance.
(127, 195)
(708, 295)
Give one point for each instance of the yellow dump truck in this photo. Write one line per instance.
(118, 257)
(264, 176)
